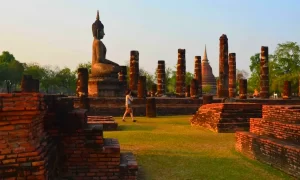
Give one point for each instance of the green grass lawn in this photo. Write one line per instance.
(169, 148)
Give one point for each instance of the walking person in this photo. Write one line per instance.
(128, 105)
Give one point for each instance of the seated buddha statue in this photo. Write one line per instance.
(100, 65)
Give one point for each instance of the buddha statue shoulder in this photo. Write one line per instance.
(100, 65)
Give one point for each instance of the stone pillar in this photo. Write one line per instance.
(218, 88)
(142, 87)
(122, 76)
(82, 87)
(264, 72)
(82, 82)
(243, 88)
(134, 70)
(151, 107)
(299, 88)
(223, 67)
(180, 74)
(287, 90)
(161, 78)
(194, 88)
(232, 75)
(187, 92)
(153, 90)
(207, 99)
(198, 74)
(28, 84)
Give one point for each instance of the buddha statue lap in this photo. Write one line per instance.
(101, 67)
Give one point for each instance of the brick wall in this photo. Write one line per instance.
(226, 117)
(25, 148)
(274, 138)
(44, 137)
(164, 106)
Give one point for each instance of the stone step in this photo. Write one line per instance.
(279, 130)
(108, 122)
(111, 145)
(283, 113)
(128, 166)
(280, 154)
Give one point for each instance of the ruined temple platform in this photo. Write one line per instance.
(226, 117)
(274, 139)
(45, 137)
(108, 122)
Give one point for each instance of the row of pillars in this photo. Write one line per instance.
(191, 90)
(227, 72)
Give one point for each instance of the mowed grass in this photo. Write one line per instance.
(169, 148)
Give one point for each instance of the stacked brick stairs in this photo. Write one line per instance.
(274, 139)
(108, 122)
(226, 117)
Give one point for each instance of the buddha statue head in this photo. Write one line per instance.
(98, 28)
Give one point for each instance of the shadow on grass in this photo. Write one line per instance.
(198, 166)
(132, 127)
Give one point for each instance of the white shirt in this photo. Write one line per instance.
(128, 100)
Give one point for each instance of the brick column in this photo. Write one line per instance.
(21, 135)
(28, 84)
(161, 78)
(151, 107)
(194, 88)
(82, 87)
(122, 76)
(134, 70)
(218, 88)
(142, 87)
(187, 92)
(232, 75)
(223, 66)
(299, 88)
(82, 82)
(287, 90)
(198, 74)
(264, 72)
(180, 74)
(243, 88)
(153, 90)
(207, 99)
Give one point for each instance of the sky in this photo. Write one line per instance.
(59, 33)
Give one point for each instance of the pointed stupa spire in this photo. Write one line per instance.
(205, 55)
(97, 17)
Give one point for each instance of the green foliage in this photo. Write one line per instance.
(87, 65)
(284, 65)
(6, 57)
(66, 79)
(206, 89)
(188, 78)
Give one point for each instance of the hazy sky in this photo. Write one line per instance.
(58, 32)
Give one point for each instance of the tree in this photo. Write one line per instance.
(87, 65)
(188, 78)
(284, 65)
(11, 70)
(66, 79)
(6, 57)
(206, 89)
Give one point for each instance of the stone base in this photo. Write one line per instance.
(105, 87)
(274, 152)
